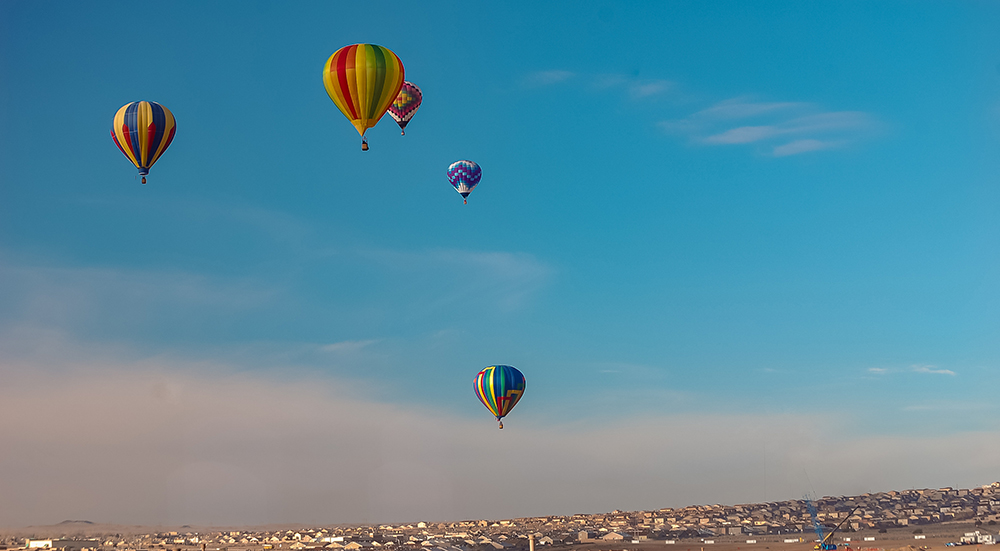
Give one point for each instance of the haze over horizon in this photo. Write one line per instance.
(741, 252)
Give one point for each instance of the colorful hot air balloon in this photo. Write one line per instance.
(499, 387)
(143, 130)
(363, 80)
(464, 175)
(405, 106)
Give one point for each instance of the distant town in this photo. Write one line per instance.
(787, 521)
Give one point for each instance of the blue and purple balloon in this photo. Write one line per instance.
(464, 175)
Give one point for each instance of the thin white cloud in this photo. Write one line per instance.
(740, 108)
(264, 224)
(645, 89)
(931, 370)
(347, 346)
(133, 302)
(60, 295)
(928, 369)
(503, 279)
(803, 146)
(636, 88)
(546, 78)
(816, 130)
(818, 123)
(743, 134)
(829, 121)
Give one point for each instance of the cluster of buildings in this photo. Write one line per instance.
(881, 510)
(874, 511)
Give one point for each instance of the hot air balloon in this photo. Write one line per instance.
(363, 80)
(464, 175)
(143, 130)
(499, 387)
(405, 106)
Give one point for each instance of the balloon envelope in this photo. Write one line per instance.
(499, 387)
(465, 176)
(363, 80)
(405, 105)
(143, 130)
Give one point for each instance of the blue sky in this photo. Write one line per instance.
(773, 223)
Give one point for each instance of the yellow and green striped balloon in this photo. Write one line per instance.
(363, 80)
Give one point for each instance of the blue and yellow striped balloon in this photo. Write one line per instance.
(143, 130)
(499, 387)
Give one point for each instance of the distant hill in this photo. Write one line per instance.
(73, 528)
(74, 522)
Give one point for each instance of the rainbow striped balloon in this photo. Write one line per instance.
(465, 176)
(499, 388)
(406, 105)
(143, 130)
(363, 80)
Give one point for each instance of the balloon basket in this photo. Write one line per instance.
(501, 425)
(144, 179)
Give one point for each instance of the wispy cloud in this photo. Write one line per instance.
(648, 88)
(432, 285)
(504, 279)
(931, 369)
(636, 88)
(546, 78)
(739, 108)
(802, 146)
(743, 134)
(818, 130)
(775, 128)
(928, 369)
(347, 346)
(818, 123)
(122, 297)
